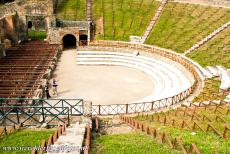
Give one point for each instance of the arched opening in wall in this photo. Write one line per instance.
(83, 40)
(29, 24)
(69, 41)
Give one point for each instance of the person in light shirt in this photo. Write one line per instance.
(54, 84)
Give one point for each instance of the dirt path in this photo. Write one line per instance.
(116, 126)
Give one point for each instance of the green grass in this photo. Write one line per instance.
(211, 91)
(123, 18)
(182, 25)
(23, 138)
(207, 142)
(215, 52)
(72, 10)
(37, 34)
(132, 143)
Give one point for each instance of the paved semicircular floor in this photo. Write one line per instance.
(100, 84)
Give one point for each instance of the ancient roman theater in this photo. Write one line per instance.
(114, 76)
(120, 80)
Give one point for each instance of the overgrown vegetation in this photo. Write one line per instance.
(211, 91)
(71, 10)
(214, 52)
(181, 25)
(23, 138)
(122, 18)
(37, 34)
(132, 143)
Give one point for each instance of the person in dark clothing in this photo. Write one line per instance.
(47, 91)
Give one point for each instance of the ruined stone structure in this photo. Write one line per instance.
(22, 16)
(79, 29)
(15, 18)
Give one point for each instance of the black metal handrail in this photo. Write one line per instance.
(33, 115)
(75, 105)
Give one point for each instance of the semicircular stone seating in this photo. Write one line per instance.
(169, 78)
(219, 71)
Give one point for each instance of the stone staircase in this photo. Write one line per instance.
(153, 21)
(71, 141)
(89, 10)
(226, 101)
(207, 38)
(219, 71)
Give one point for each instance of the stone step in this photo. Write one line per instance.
(153, 21)
(207, 38)
(71, 141)
(166, 76)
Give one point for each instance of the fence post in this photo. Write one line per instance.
(99, 109)
(17, 116)
(173, 122)
(127, 108)
(43, 115)
(5, 130)
(193, 146)
(152, 106)
(43, 146)
(97, 124)
(68, 118)
(165, 119)
(50, 140)
(182, 126)
(225, 133)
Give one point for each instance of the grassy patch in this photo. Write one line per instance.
(215, 52)
(72, 10)
(182, 25)
(23, 138)
(211, 91)
(207, 142)
(132, 143)
(123, 18)
(37, 35)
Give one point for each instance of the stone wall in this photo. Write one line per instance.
(35, 8)
(55, 35)
(14, 18)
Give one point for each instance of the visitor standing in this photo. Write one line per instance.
(54, 83)
(47, 91)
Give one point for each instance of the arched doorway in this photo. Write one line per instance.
(69, 41)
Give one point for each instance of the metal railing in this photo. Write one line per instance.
(38, 111)
(75, 105)
(33, 115)
(141, 107)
